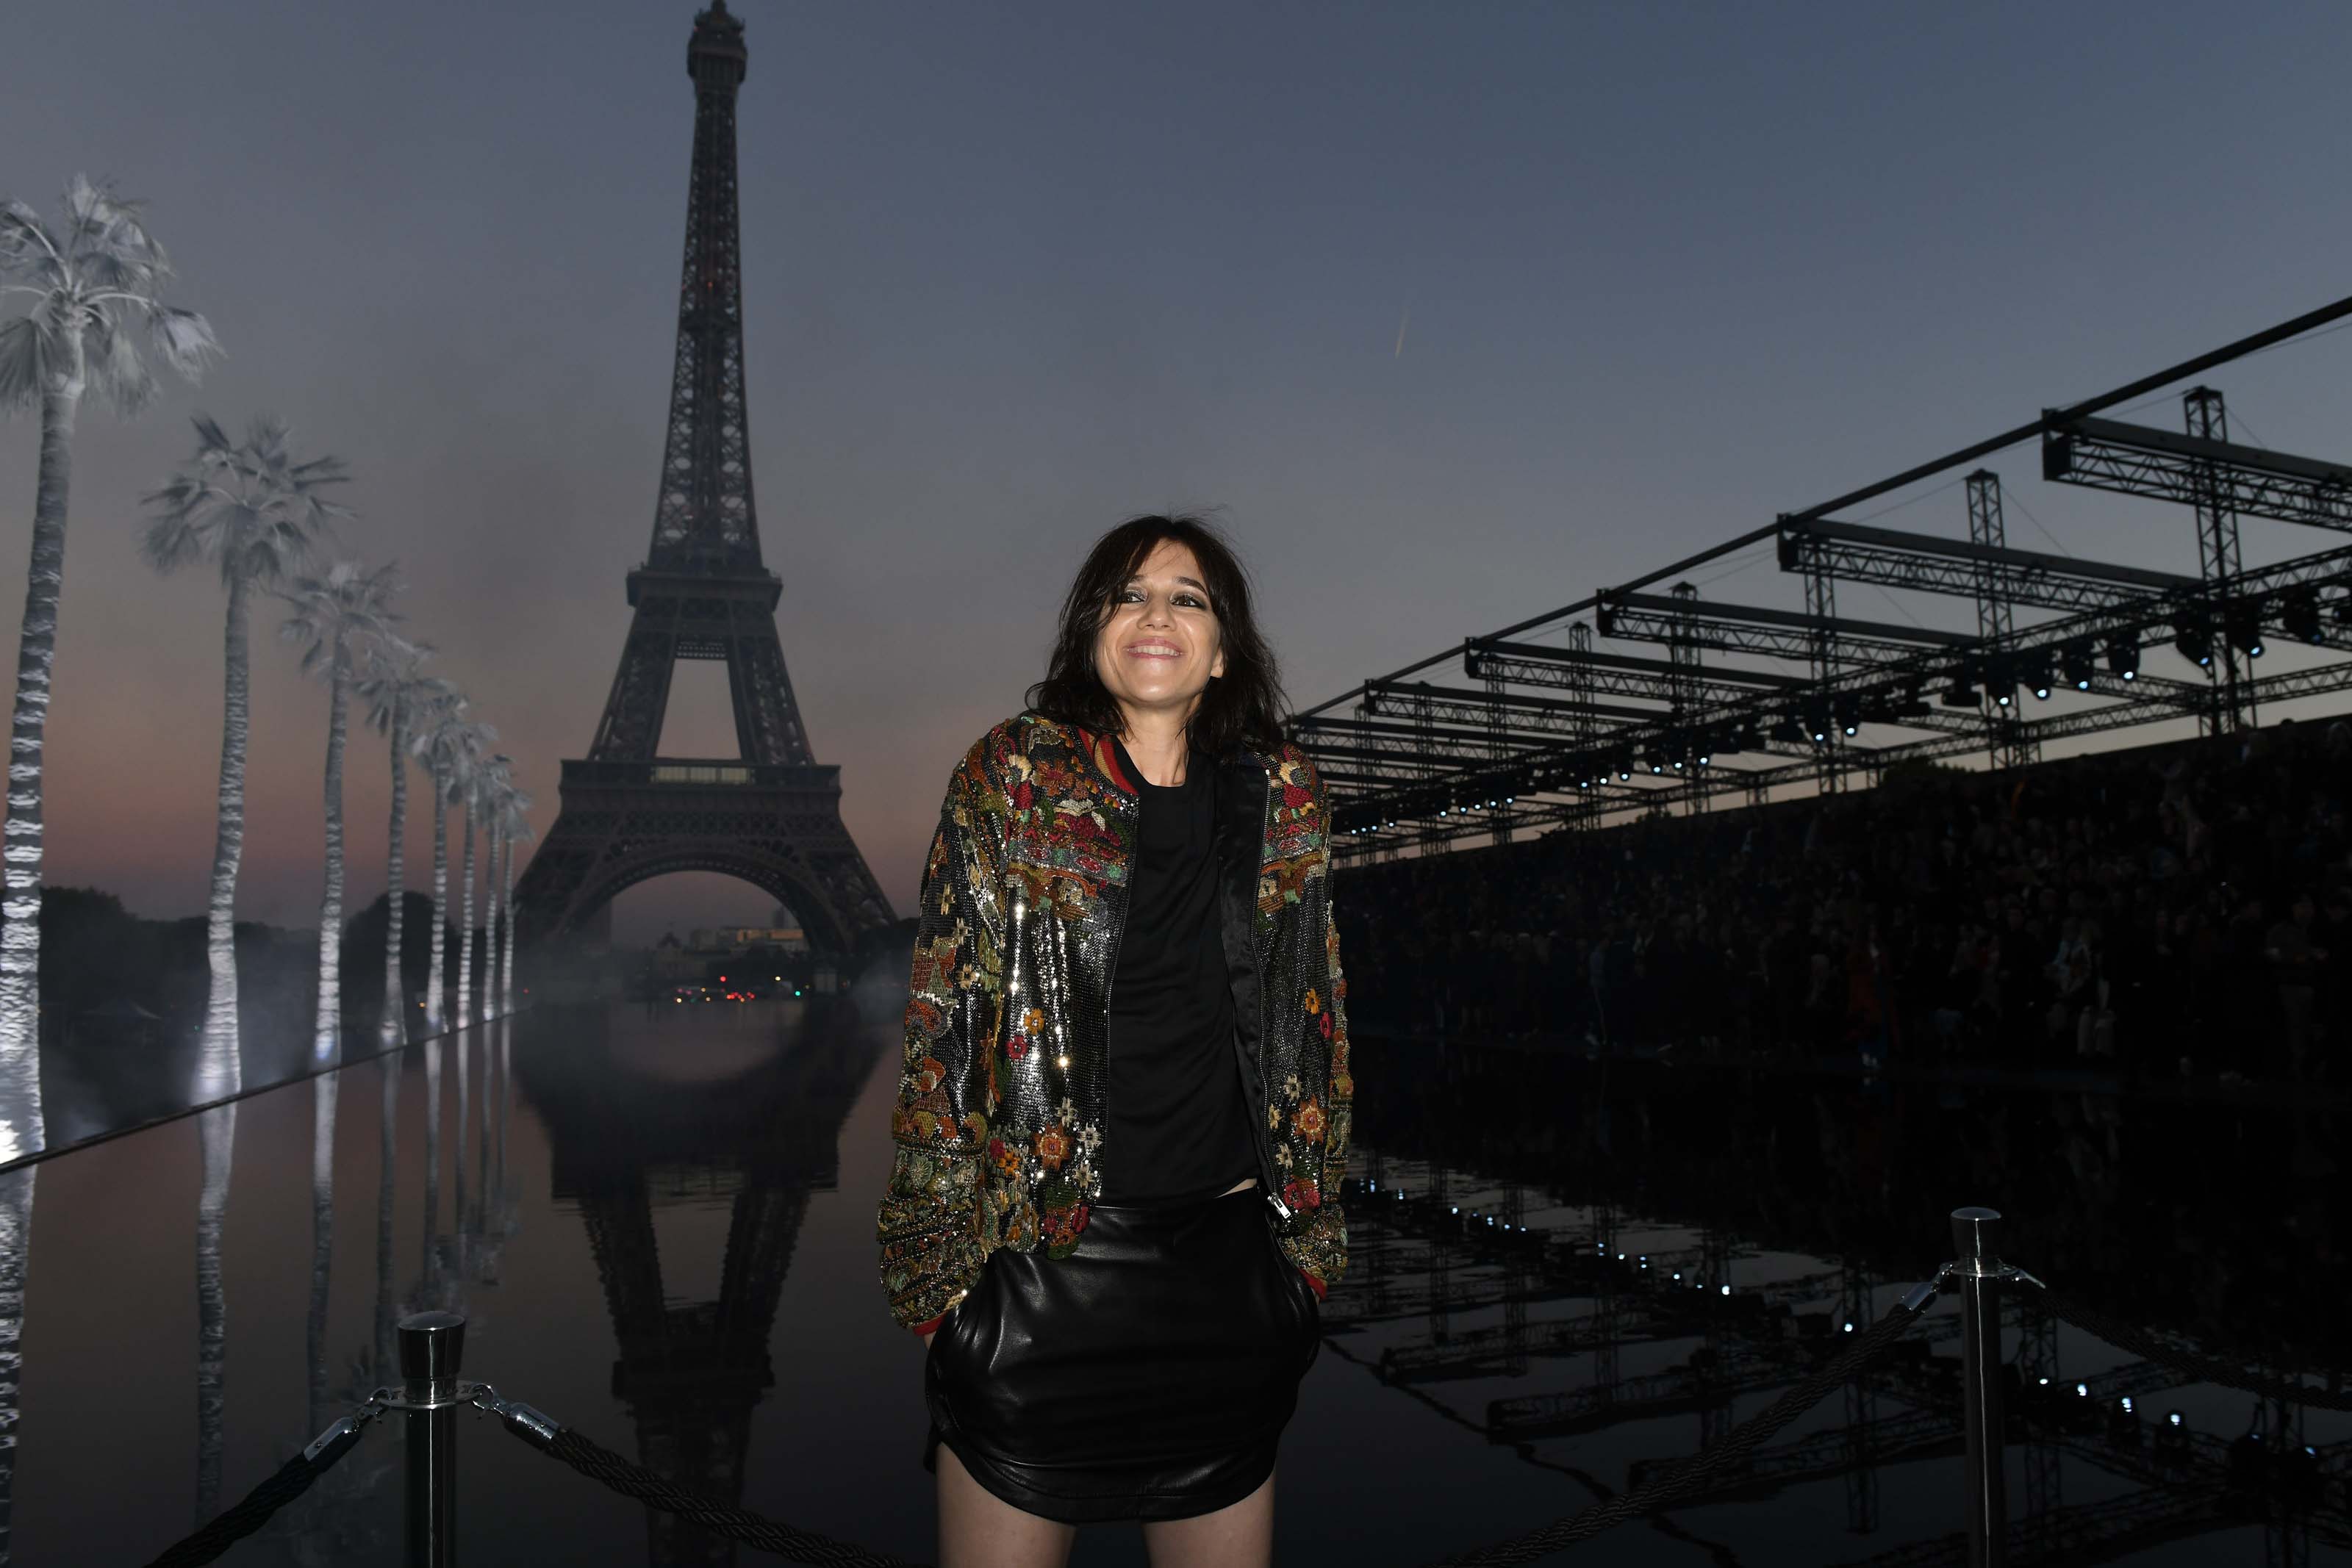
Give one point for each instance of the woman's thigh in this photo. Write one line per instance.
(1239, 1535)
(980, 1530)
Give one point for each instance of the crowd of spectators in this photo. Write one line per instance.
(2184, 908)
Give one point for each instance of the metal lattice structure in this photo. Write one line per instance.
(771, 815)
(1752, 700)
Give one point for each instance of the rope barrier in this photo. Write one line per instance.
(2193, 1367)
(1700, 1473)
(633, 1481)
(292, 1481)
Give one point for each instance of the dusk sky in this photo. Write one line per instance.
(1457, 312)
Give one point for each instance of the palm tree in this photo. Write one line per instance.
(252, 512)
(515, 825)
(94, 281)
(450, 746)
(398, 693)
(335, 617)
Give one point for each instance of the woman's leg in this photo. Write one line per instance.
(980, 1530)
(1239, 1535)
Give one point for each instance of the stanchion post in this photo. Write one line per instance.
(1976, 1239)
(432, 1346)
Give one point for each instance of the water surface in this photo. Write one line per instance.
(659, 1221)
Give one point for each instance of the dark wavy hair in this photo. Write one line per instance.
(1241, 710)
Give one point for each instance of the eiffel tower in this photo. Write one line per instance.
(771, 815)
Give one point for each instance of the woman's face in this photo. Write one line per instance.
(1161, 644)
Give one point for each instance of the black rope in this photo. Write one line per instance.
(290, 1482)
(2192, 1366)
(600, 1464)
(1699, 1474)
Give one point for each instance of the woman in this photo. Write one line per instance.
(1114, 1207)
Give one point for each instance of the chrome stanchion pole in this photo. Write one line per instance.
(1975, 1239)
(431, 1347)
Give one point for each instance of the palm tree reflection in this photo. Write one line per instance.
(16, 1250)
(216, 1140)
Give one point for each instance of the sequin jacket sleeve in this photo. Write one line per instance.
(1323, 1114)
(932, 1252)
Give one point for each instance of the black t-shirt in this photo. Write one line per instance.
(1179, 1124)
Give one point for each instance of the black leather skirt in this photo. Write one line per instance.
(1147, 1375)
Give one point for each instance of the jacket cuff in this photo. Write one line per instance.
(1321, 1290)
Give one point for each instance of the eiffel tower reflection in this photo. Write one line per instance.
(646, 1110)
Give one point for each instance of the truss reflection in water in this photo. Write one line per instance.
(1538, 1310)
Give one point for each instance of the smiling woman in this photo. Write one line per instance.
(1123, 1116)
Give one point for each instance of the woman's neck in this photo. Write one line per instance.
(1156, 743)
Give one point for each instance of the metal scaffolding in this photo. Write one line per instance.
(1755, 700)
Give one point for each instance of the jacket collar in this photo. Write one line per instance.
(1105, 758)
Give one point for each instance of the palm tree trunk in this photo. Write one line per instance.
(16, 1253)
(216, 1135)
(327, 1033)
(498, 931)
(506, 959)
(325, 1092)
(466, 931)
(395, 989)
(20, 862)
(219, 1070)
(490, 922)
(433, 986)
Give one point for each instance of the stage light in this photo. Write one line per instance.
(2193, 636)
(2243, 622)
(2299, 612)
(1960, 694)
(2037, 674)
(1998, 673)
(2076, 660)
(2123, 655)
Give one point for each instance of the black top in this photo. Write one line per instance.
(1179, 1125)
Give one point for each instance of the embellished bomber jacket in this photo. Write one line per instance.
(999, 1130)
